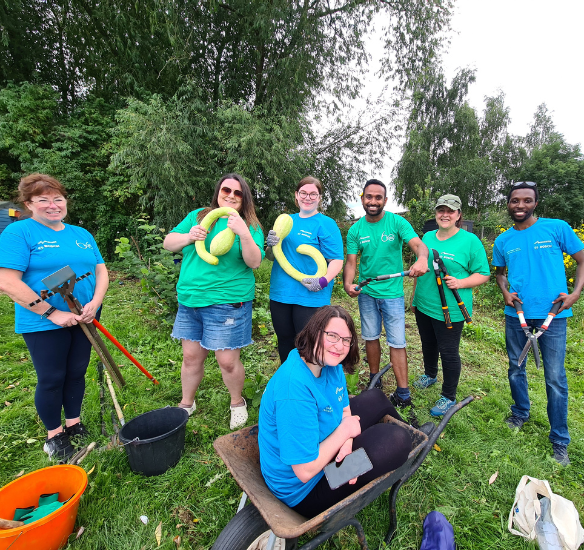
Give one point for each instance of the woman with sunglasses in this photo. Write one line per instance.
(307, 419)
(292, 303)
(215, 300)
(31, 250)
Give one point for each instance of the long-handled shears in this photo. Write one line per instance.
(459, 301)
(365, 282)
(532, 337)
(435, 263)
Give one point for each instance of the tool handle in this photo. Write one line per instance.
(443, 300)
(123, 350)
(463, 309)
(519, 309)
(381, 278)
(553, 312)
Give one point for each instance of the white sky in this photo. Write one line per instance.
(531, 50)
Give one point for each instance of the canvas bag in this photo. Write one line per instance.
(526, 509)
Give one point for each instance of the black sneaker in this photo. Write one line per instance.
(378, 384)
(77, 434)
(561, 454)
(515, 422)
(59, 446)
(398, 402)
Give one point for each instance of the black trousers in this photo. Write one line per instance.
(288, 321)
(437, 340)
(387, 446)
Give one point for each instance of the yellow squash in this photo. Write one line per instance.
(282, 227)
(222, 242)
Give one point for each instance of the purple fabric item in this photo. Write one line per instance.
(438, 533)
(323, 282)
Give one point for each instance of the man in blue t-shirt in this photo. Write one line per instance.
(532, 252)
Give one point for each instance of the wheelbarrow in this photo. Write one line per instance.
(267, 519)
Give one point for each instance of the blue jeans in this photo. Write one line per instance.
(552, 344)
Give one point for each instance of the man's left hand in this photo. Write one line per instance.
(569, 301)
(419, 267)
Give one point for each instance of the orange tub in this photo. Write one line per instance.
(52, 531)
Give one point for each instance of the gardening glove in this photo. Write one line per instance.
(272, 239)
(41, 512)
(313, 284)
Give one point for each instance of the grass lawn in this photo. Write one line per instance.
(197, 498)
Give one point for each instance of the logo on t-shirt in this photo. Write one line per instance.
(47, 244)
(304, 233)
(542, 244)
(385, 238)
(327, 409)
(364, 240)
(509, 252)
(84, 246)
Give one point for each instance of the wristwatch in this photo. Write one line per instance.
(46, 314)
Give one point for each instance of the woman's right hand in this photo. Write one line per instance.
(63, 318)
(352, 425)
(197, 233)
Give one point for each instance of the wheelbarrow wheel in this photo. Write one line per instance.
(247, 530)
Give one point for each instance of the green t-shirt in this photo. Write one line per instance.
(463, 254)
(230, 281)
(380, 244)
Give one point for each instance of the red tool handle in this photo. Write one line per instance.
(124, 350)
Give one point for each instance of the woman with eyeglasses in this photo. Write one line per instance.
(292, 303)
(307, 419)
(465, 259)
(214, 311)
(31, 250)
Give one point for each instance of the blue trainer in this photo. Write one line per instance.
(442, 405)
(424, 382)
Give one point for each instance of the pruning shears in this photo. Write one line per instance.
(365, 282)
(532, 337)
(439, 266)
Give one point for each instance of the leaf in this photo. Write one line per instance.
(493, 477)
(7, 403)
(31, 440)
(19, 473)
(144, 520)
(10, 386)
(436, 448)
(92, 468)
(80, 532)
(158, 533)
(177, 540)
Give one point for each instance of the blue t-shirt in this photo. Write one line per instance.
(535, 264)
(297, 412)
(39, 251)
(321, 232)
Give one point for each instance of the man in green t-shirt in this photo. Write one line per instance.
(379, 237)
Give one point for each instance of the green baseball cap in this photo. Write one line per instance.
(452, 201)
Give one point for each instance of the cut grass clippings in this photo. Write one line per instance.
(196, 499)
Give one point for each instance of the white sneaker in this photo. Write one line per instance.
(238, 415)
(190, 409)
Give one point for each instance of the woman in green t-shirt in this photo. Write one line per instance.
(464, 256)
(215, 300)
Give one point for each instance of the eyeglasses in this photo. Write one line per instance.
(333, 337)
(46, 202)
(236, 193)
(530, 183)
(303, 194)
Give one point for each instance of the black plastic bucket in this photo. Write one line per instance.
(155, 440)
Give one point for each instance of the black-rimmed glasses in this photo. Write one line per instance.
(333, 337)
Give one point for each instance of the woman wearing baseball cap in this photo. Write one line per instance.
(465, 259)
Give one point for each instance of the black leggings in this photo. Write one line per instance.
(387, 446)
(60, 358)
(288, 321)
(439, 340)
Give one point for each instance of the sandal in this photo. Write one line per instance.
(238, 415)
(189, 408)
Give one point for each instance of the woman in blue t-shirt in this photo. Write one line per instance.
(292, 303)
(307, 419)
(30, 250)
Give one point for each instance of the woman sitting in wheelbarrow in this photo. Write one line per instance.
(307, 420)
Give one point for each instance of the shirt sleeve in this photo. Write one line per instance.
(479, 262)
(406, 230)
(569, 241)
(14, 250)
(331, 242)
(352, 241)
(258, 237)
(297, 425)
(498, 254)
(190, 221)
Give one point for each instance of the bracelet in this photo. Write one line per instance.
(49, 311)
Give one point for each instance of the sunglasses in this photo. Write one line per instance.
(530, 183)
(227, 191)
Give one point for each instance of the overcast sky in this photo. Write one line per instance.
(531, 50)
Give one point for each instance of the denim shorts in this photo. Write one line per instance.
(216, 327)
(391, 311)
